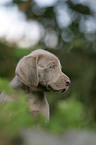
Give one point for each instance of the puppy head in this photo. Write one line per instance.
(42, 69)
(50, 73)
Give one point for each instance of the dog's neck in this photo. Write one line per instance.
(16, 83)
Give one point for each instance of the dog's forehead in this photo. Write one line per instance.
(41, 52)
(45, 56)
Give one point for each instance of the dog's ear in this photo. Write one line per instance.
(26, 70)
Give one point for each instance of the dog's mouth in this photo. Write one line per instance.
(61, 91)
(45, 87)
(50, 88)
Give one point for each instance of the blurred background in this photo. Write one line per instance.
(66, 28)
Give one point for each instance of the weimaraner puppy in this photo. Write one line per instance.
(36, 73)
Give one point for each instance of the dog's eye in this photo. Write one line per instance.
(52, 67)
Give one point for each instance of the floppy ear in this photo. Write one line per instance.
(26, 70)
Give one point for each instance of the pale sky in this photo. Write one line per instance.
(44, 3)
(15, 28)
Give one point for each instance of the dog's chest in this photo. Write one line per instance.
(39, 104)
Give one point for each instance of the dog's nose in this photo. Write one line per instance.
(68, 82)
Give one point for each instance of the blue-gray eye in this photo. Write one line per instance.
(52, 67)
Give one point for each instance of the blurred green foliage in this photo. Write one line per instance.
(9, 56)
(7, 60)
(15, 116)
